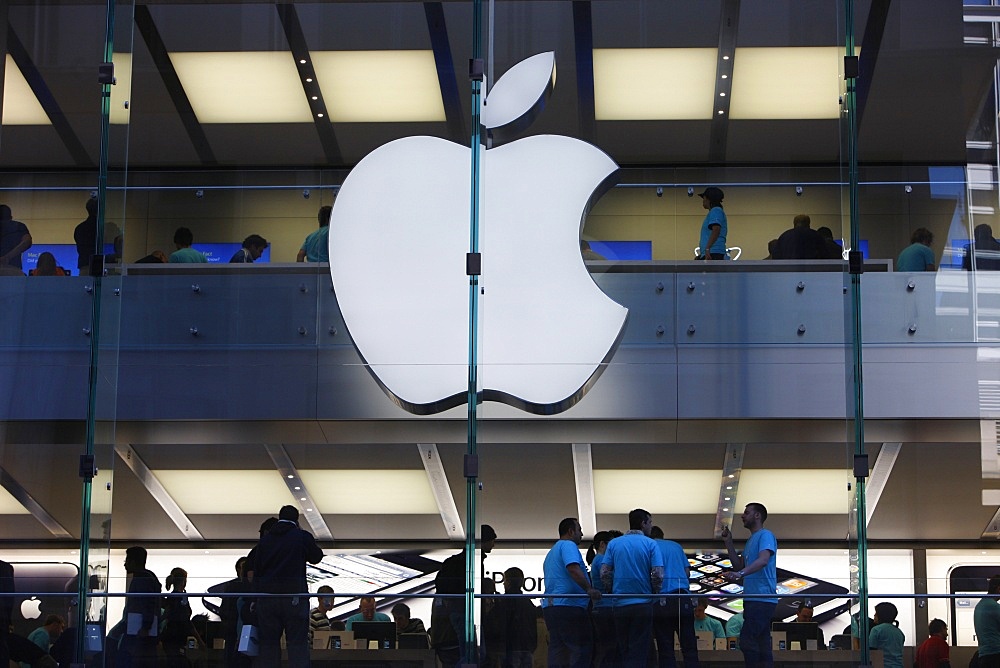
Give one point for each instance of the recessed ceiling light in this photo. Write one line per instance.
(725, 57)
(309, 80)
(320, 115)
(725, 76)
(722, 94)
(302, 61)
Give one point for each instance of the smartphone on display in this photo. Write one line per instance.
(378, 575)
(969, 583)
(31, 578)
(707, 579)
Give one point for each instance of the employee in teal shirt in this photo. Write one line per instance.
(886, 635)
(366, 614)
(702, 622)
(987, 622)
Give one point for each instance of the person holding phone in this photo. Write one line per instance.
(757, 567)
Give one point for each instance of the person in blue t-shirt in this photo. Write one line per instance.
(714, 228)
(566, 619)
(674, 615)
(603, 614)
(918, 256)
(886, 635)
(757, 568)
(633, 566)
(986, 619)
(316, 247)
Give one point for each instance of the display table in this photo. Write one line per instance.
(342, 658)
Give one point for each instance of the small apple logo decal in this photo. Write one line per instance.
(399, 234)
(31, 608)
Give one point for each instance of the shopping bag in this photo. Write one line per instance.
(249, 644)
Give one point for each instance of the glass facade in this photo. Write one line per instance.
(440, 275)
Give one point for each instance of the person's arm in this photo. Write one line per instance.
(713, 235)
(18, 249)
(301, 257)
(579, 577)
(734, 556)
(763, 557)
(607, 575)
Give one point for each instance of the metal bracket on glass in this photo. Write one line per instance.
(861, 466)
(477, 68)
(851, 67)
(88, 467)
(473, 264)
(855, 262)
(106, 74)
(471, 466)
(96, 266)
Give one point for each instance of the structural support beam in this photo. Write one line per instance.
(307, 506)
(879, 476)
(161, 57)
(445, 64)
(48, 101)
(732, 467)
(728, 29)
(583, 473)
(158, 491)
(438, 480)
(871, 45)
(15, 489)
(583, 42)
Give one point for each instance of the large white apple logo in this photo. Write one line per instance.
(399, 234)
(31, 608)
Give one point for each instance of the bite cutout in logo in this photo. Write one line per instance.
(399, 234)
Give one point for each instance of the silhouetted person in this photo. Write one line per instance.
(85, 236)
(280, 568)
(228, 612)
(155, 257)
(799, 243)
(983, 254)
(46, 266)
(137, 647)
(253, 247)
(588, 252)
(177, 624)
(831, 249)
(918, 256)
(715, 227)
(316, 247)
(14, 240)
(183, 238)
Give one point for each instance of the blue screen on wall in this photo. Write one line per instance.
(623, 250)
(222, 252)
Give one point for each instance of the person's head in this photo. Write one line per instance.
(177, 580)
(401, 615)
(5, 213)
(183, 238)
(46, 265)
(135, 559)
(993, 585)
(754, 515)
(367, 607)
(772, 247)
(289, 514)
(640, 520)
(938, 628)
(255, 244)
(885, 613)
(804, 613)
(922, 235)
(54, 625)
(983, 234)
(656, 533)
(324, 598)
(91, 207)
(825, 232)
(570, 529)
(324, 215)
(267, 525)
(240, 565)
(699, 608)
(801, 220)
(711, 197)
(488, 538)
(584, 245)
(513, 580)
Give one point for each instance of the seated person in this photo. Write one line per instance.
(703, 622)
(934, 652)
(253, 247)
(183, 238)
(405, 623)
(47, 266)
(805, 615)
(318, 621)
(733, 628)
(801, 242)
(366, 613)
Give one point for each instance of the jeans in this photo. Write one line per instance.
(755, 638)
(675, 616)
(291, 615)
(605, 637)
(570, 637)
(634, 627)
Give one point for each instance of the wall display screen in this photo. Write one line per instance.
(623, 250)
(221, 253)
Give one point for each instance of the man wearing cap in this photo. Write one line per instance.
(713, 229)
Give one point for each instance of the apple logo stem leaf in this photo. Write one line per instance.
(517, 98)
(399, 234)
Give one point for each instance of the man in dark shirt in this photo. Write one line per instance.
(85, 236)
(142, 609)
(280, 568)
(800, 243)
(14, 240)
